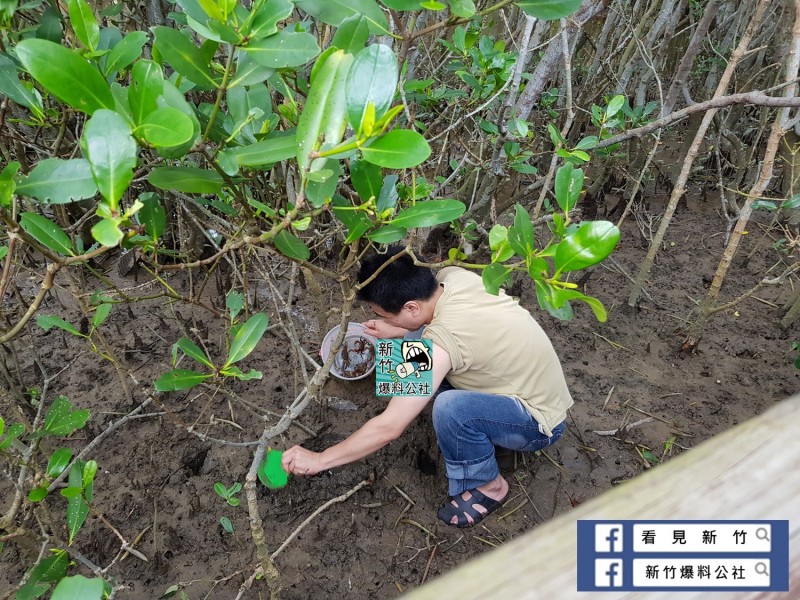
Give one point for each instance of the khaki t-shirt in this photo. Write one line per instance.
(497, 347)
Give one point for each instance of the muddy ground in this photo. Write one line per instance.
(156, 478)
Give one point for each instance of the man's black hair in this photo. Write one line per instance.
(400, 282)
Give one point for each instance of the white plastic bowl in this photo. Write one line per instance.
(355, 331)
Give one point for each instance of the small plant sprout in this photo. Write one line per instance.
(229, 494)
(226, 524)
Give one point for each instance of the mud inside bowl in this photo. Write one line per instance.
(356, 357)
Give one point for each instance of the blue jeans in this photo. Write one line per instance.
(470, 424)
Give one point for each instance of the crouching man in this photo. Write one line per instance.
(504, 383)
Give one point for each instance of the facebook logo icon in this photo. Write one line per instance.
(608, 537)
(607, 573)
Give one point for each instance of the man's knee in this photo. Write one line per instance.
(444, 407)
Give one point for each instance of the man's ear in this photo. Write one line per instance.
(413, 307)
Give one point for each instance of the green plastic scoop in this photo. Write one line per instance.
(270, 471)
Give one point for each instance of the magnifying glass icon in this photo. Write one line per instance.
(761, 569)
(762, 534)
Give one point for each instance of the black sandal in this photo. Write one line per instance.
(465, 507)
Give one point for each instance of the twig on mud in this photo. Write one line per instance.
(428, 565)
(614, 345)
(316, 513)
(625, 428)
(672, 425)
(399, 491)
(525, 491)
(554, 463)
(419, 526)
(611, 391)
(513, 510)
(485, 541)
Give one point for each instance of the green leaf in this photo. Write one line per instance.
(89, 473)
(11, 86)
(270, 471)
(462, 8)
(549, 10)
(290, 245)
(47, 233)
(614, 106)
(78, 586)
(285, 49)
(194, 351)
(186, 58)
(152, 215)
(324, 110)
(267, 16)
(38, 493)
(166, 127)
(494, 276)
(248, 71)
(234, 302)
(429, 213)
(591, 243)
(388, 196)
(388, 234)
(58, 462)
(372, 78)
(109, 147)
(568, 186)
(107, 233)
(226, 524)
(179, 379)
(212, 9)
(356, 222)
(16, 430)
(544, 292)
(352, 34)
(7, 183)
(101, 313)
(588, 143)
(366, 179)
(190, 180)
(124, 53)
(49, 570)
(398, 149)
(246, 339)
(498, 243)
(277, 147)
(322, 183)
(235, 371)
(84, 23)
(62, 419)
(333, 12)
(58, 181)
(791, 203)
(147, 84)
(520, 236)
(47, 322)
(402, 4)
(66, 75)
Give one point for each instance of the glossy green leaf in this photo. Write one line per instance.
(16, 430)
(166, 127)
(544, 295)
(190, 180)
(47, 233)
(591, 243)
(109, 147)
(38, 493)
(267, 16)
(152, 215)
(58, 181)
(51, 569)
(66, 75)
(462, 8)
(50, 26)
(248, 71)
(791, 203)
(568, 186)
(250, 107)
(521, 236)
(179, 379)
(234, 371)
(322, 183)
(290, 245)
(398, 149)
(614, 106)
(285, 49)
(226, 524)
(588, 143)
(212, 9)
(333, 12)
(194, 351)
(388, 196)
(7, 183)
(372, 78)
(494, 277)
(125, 52)
(84, 23)
(270, 471)
(147, 84)
(549, 10)
(388, 234)
(247, 338)
(356, 222)
(11, 86)
(78, 586)
(324, 108)
(429, 213)
(498, 244)
(62, 419)
(47, 322)
(89, 473)
(107, 232)
(352, 34)
(366, 179)
(402, 4)
(186, 58)
(277, 147)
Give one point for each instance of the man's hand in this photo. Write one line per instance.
(299, 461)
(379, 328)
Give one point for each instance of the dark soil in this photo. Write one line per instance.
(156, 477)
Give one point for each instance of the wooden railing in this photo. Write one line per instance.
(751, 471)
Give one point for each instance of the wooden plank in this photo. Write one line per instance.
(747, 472)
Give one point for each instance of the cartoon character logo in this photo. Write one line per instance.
(417, 358)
